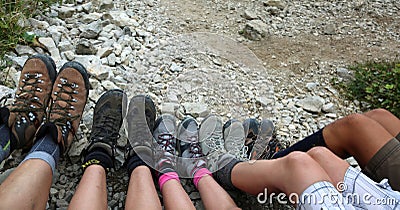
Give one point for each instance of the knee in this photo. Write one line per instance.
(316, 152)
(378, 113)
(354, 121)
(297, 160)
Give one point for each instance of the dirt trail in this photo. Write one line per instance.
(295, 54)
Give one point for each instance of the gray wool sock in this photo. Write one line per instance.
(45, 149)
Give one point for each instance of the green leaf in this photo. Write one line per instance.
(389, 87)
(28, 36)
(369, 90)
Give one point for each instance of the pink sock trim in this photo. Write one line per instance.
(199, 174)
(166, 177)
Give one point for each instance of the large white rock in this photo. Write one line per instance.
(6, 91)
(65, 12)
(255, 30)
(196, 109)
(312, 104)
(120, 18)
(51, 47)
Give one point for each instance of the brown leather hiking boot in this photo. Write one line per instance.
(28, 110)
(69, 96)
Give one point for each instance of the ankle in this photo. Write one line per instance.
(98, 156)
(134, 162)
(199, 175)
(45, 149)
(166, 177)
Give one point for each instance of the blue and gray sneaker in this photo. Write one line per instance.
(212, 140)
(165, 135)
(189, 148)
(234, 137)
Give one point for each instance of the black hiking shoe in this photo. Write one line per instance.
(273, 147)
(107, 121)
(263, 137)
(250, 126)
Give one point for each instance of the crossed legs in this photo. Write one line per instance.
(299, 172)
(290, 174)
(361, 135)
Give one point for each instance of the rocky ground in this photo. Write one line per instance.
(239, 58)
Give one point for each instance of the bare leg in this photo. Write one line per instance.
(142, 193)
(213, 195)
(334, 166)
(27, 187)
(390, 122)
(290, 174)
(92, 191)
(175, 196)
(356, 135)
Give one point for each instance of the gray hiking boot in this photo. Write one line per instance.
(234, 137)
(140, 123)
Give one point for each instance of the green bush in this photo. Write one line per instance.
(12, 15)
(378, 84)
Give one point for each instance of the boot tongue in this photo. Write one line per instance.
(51, 129)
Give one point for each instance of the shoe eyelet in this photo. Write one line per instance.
(31, 116)
(74, 85)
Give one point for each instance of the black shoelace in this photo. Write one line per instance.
(195, 149)
(66, 118)
(165, 142)
(26, 100)
(105, 129)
